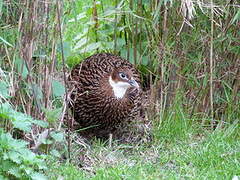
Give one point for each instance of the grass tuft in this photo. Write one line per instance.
(198, 154)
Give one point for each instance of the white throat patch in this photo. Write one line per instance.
(119, 88)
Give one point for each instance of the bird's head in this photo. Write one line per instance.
(121, 80)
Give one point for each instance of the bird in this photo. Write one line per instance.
(105, 93)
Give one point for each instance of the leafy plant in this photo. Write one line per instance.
(19, 120)
(15, 157)
(18, 161)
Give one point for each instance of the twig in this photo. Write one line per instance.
(65, 79)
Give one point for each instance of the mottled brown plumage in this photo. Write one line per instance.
(94, 102)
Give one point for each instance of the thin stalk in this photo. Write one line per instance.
(126, 32)
(140, 28)
(45, 58)
(211, 66)
(161, 70)
(64, 77)
(115, 27)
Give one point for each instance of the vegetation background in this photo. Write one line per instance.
(188, 53)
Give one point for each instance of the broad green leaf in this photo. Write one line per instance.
(81, 43)
(79, 16)
(120, 43)
(40, 123)
(17, 160)
(57, 136)
(91, 47)
(6, 165)
(19, 145)
(22, 125)
(58, 88)
(21, 67)
(4, 89)
(53, 114)
(2, 177)
(38, 176)
(22, 121)
(109, 45)
(109, 12)
(28, 155)
(5, 111)
(81, 35)
(14, 156)
(41, 161)
(7, 142)
(37, 91)
(55, 153)
(19, 120)
(145, 60)
(66, 49)
(28, 170)
(47, 141)
(15, 171)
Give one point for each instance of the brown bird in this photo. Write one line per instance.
(105, 92)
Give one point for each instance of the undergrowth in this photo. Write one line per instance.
(188, 55)
(200, 154)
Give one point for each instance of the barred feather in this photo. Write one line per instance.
(93, 102)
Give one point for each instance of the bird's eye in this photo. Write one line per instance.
(122, 75)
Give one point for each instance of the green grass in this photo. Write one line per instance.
(200, 154)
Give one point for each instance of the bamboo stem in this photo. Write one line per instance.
(211, 66)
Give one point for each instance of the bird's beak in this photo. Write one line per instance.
(132, 82)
